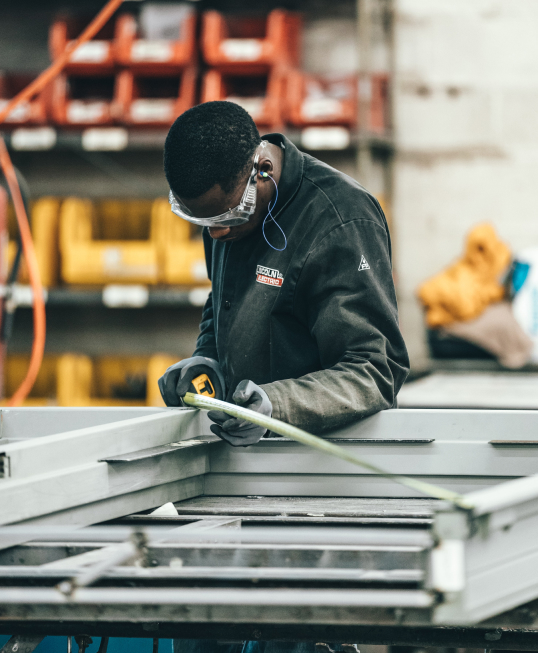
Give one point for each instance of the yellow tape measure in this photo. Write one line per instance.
(202, 386)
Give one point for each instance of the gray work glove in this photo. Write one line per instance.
(177, 379)
(239, 432)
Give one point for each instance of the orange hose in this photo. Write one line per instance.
(38, 345)
(57, 66)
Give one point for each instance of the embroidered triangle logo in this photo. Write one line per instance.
(363, 264)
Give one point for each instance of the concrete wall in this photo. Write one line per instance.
(466, 129)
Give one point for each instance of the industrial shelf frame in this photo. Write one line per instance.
(40, 145)
(141, 139)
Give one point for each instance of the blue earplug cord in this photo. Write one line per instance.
(270, 214)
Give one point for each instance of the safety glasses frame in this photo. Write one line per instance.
(232, 217)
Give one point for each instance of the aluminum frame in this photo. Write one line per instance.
(454, 569)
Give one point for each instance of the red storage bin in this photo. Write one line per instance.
(154, 101)
(247, 45)
(83, 101)
(94, 57)
(261, 95)
(31, 112)
(152, 55)
(316, 101)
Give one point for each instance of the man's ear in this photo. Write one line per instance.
(265, 165)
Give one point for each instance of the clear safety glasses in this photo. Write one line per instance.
(238, 215)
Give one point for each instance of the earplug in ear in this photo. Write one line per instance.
(264, 174)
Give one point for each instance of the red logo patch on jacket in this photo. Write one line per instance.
(268, 276)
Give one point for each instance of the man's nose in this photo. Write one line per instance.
(218, 232)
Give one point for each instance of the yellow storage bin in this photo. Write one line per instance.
(107, 381)
(157, 366)
(108, 242)
(77, 380)
(111, 380)
(129, 242)
(181, 247)
(44, 391)
(44, 218)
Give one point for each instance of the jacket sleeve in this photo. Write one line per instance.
(345, 295)
(206, 343)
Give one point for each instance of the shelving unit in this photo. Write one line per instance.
(116, 296)
(117, 139)
(124, 161)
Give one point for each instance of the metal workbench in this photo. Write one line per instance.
(273, 541)
(455, 388)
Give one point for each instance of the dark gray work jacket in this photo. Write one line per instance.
(317, 324)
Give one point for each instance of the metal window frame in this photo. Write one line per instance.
(476, 564)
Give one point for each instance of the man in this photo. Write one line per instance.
(302, 322)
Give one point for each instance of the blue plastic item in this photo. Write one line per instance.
(115, 645)
(519, 275)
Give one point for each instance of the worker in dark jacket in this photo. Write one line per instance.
(302, 322)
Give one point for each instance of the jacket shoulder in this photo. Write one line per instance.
(348, 199)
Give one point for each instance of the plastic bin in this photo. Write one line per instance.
(44, 218)
(32, 112)
(154, 101)
(43, 392)
(108, 242)
(103, 382)
(317, 101)
(162, 41)
(135, 241)
(110, 380)
(261, 95)
(181, 248)
(93, 57)
(83, 101)
(78, 380)
(157, 366)
(247, 44)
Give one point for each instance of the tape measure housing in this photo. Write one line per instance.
(203, 386)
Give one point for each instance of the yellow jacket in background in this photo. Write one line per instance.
(466, 288)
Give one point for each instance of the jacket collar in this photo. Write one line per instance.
(292, 170)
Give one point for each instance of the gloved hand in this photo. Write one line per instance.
(238, 432)
(176, 381)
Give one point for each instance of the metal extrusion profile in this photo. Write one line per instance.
(316, 561)
(60, 477)
(487, 561)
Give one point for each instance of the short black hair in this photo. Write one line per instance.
(212, 143)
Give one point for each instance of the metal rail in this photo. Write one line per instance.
(306, 537)
(341, 598)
